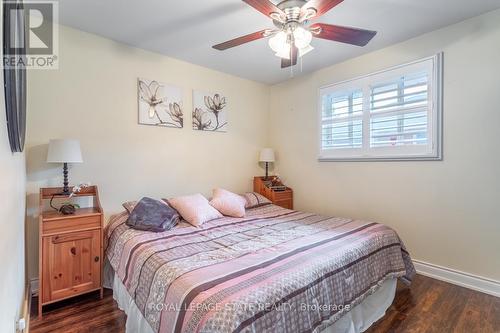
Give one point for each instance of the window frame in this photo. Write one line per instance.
(430, 152)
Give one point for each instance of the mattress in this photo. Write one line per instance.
(275, 270)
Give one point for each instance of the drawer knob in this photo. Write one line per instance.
(96, 259)
(73, 251)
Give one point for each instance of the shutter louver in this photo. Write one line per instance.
(398, 112)
(342, 120)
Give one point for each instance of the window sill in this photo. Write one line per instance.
(380, 159)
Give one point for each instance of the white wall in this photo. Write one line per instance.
(447, 212)
(12, 210)
(93, 98)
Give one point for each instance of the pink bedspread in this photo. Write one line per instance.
(275, 270)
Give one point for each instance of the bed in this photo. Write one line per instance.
(275, 270)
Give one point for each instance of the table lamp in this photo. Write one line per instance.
(64, 151)
(267, 156)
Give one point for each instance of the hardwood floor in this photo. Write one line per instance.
(427, 306)
(81, 314)
(430, 305)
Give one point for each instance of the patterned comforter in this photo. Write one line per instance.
(275, 270)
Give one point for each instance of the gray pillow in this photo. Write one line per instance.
(152, 215)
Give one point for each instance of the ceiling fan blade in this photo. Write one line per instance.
(267, 8)
(341, 34)
(320, 7)
(293, 58)
(241, 40)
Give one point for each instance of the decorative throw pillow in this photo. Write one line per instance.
(254, 199)
(152, 215)
(195, 209)
(129, 206)
(228, 203)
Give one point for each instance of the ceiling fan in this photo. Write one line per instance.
(292, 36)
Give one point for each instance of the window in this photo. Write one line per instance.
(389, 115)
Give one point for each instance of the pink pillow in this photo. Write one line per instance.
(195, 209)
(228, 203)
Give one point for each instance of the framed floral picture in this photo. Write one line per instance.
(209, 111)
(160, 104)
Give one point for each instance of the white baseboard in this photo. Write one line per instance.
(459, 278)
(23, 320)
(34, 285)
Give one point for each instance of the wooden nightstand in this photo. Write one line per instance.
(70, 249)
(280, 198)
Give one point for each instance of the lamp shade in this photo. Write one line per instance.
(266, 155)
(64, 151)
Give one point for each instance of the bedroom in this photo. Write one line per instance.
(136, 100)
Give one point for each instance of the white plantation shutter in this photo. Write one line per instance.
(342, 120)
(399, 111)
(393, 114)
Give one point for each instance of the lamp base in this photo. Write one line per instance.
(65, 183)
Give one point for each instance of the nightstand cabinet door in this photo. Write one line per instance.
(72, 264)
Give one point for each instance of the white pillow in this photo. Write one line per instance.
(228, 203)
(195, 209)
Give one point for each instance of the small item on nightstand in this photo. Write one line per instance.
(69, 208)
(276, 184)
(279, 188)
(276, 181)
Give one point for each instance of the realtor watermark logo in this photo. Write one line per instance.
(31, 35)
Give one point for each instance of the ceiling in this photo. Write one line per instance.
(187, 29)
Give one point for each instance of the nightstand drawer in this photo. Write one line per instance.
(283, 195)
(70, 224)
(285, 203)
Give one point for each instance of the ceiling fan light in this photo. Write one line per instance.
(305, 50)
(278, 41)
(282, 56)
(302, 37)
(284, 53)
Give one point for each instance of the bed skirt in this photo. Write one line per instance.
(359, 319)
